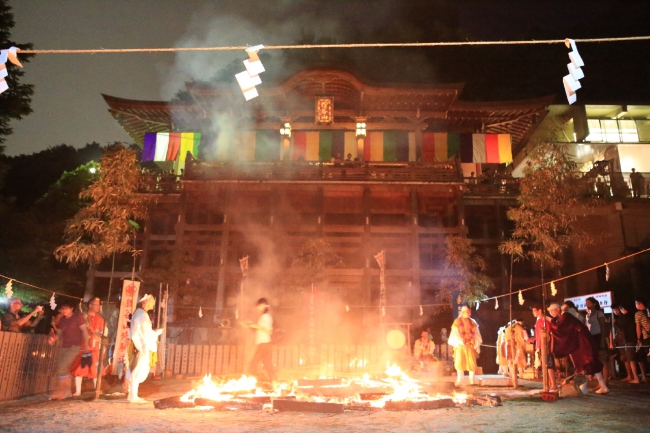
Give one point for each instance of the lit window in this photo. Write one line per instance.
(629, 133)
(643, 128)
(611, 130)
(595, 131)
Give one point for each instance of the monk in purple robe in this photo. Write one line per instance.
(572, 337)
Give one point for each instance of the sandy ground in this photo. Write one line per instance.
(625, 409)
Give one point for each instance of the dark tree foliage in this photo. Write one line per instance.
(105, 225)
(29, 233)
(30, 176)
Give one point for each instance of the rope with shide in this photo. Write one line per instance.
(331, 46)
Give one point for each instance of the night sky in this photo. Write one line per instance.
(67, 103)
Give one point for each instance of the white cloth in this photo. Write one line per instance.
(455, 340)
(145, 340)
(264, 335)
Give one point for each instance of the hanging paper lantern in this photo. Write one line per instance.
(421, 311)
(8, 291)
(347, 308)
(606, 272)
(52, 302)
(496, 303)
(200, 312)
(521, 298)
(553, 289)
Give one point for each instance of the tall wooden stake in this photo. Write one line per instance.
(544, 338)
(511, 341)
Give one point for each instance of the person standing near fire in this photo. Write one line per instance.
(145, 342)
(87, 365)
(263, 331)
(466, 340)
(73, 333)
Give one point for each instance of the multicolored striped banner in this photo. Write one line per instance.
(476, 148)
(170, 146)
(266, 145)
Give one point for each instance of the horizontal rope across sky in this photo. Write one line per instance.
(328, 46)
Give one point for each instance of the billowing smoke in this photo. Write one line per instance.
(301, 21)
(290, 22)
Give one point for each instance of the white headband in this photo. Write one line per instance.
(145, 297)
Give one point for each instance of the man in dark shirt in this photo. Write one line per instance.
(72, 331)
(13, 322)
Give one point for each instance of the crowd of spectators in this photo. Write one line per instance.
(79, 333)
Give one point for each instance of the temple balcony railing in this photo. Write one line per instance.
(598, 184)
(353, 172)
(155, 183)
(492, 186)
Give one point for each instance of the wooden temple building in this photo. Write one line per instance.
(271, 173)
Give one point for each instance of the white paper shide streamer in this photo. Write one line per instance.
(347, 308)
(200, 312)
(52, 302)
(250, 78)
(8, 291)
(496, 303)
(606, 272)
(521, 298)
(421, 311)
(11, 55)
(553, 289)
(571, 81)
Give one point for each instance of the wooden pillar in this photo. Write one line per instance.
(461, 211)
(223, 257)
(415, 294)
(366, 238)
(320, 210)
(503, 262)
(145, 244)
(89, 293)
(418, 144)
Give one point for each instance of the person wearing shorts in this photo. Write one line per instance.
(72, 332)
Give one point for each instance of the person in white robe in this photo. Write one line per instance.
(145, 342)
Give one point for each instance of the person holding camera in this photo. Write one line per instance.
(12, 321)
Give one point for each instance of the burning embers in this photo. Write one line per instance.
(208, 389)
(395, 391)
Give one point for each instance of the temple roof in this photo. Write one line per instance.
(431, 106)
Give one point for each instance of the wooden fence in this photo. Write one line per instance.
(198, 360)
(27, 365)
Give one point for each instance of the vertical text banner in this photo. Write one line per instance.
(128, 305)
